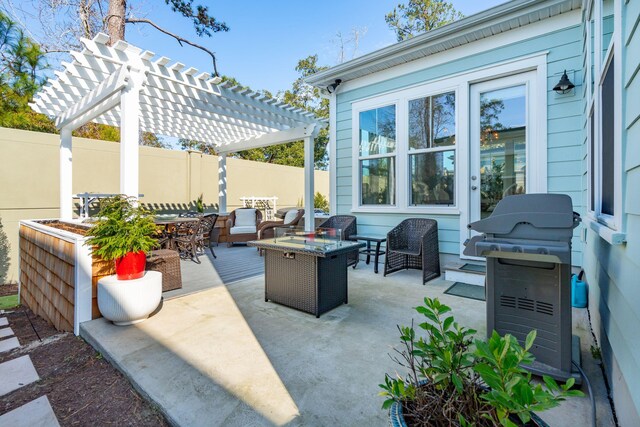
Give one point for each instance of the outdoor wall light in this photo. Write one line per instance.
(333, 86)
(564, 85)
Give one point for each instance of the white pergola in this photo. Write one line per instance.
(124, 86)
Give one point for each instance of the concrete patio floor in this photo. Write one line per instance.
(224, 356)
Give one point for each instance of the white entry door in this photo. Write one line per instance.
(502, 131)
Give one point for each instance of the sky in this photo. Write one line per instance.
(267, 38)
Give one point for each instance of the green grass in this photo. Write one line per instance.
(10, 301)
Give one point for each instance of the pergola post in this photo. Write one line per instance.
(222, 183)
(129, 136)
(66, 174)
(309, 222)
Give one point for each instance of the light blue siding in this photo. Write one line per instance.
(565, 128)
(613, 272)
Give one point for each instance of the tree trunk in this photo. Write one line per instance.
(115, 20)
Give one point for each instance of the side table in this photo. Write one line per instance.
(368, 251)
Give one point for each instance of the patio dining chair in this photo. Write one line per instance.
(414, 244)
(349, 226)
(189, 214)
(205, 237)
(188, 238)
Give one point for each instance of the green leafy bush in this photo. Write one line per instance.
(455, 380)
(122, 227)
(320, 202)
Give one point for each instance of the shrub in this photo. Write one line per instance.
(123, 226)
(449, 382)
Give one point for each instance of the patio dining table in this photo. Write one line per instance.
(170, 223)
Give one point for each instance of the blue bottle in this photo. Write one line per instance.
(578, 292)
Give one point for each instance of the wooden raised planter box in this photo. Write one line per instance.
(58, 275)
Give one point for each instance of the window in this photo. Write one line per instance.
(376, 154)
(607, 188)
(604, 121)
(431, 155)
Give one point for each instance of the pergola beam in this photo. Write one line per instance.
(104, 97)
(266, 140)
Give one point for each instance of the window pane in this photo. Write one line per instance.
(444, 119)
(419, 123)
(378, 131)
(432, 121)
(591, 53)
(592, 162)
(378, 181)
(607, 188)
(433, 178)
(607, 25)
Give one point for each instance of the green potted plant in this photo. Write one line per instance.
(124, 233)
(455, 380)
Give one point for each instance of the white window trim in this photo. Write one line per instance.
(407, 176)
(608, 227)
(356, 157)
(401, 100)
(460, 82)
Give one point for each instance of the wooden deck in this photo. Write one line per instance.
(231, 265)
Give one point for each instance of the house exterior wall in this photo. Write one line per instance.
(613, 271)
(562, 42)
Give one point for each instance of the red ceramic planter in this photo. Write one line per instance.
(131, 266)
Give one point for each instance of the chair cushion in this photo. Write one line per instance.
(290, 216)
(243, 229)
(245, 217)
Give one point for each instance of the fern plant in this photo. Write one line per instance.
(122, 227)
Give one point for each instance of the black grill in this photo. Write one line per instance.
(527, 243)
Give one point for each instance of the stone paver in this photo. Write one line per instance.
(16, 373)
(9, 344)
(6, 332)
(37, 413)
(3, 321)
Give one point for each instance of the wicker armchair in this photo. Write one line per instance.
(414, 244)
(241, 231)
(267, 229)
(349, 226)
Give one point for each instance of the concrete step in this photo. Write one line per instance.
(471, 273)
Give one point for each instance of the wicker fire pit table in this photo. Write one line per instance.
(306, 271)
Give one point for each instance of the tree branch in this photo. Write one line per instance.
(177, 37)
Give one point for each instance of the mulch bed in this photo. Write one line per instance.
(8, 289)
(61, 225)
(82, 387)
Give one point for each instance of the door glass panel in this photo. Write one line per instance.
(503, 121)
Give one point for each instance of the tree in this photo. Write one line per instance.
(352, 39)
(20, 61)
(63, 22)
(300, 95)
(419, 16)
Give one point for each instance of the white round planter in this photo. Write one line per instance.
(126, 302)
